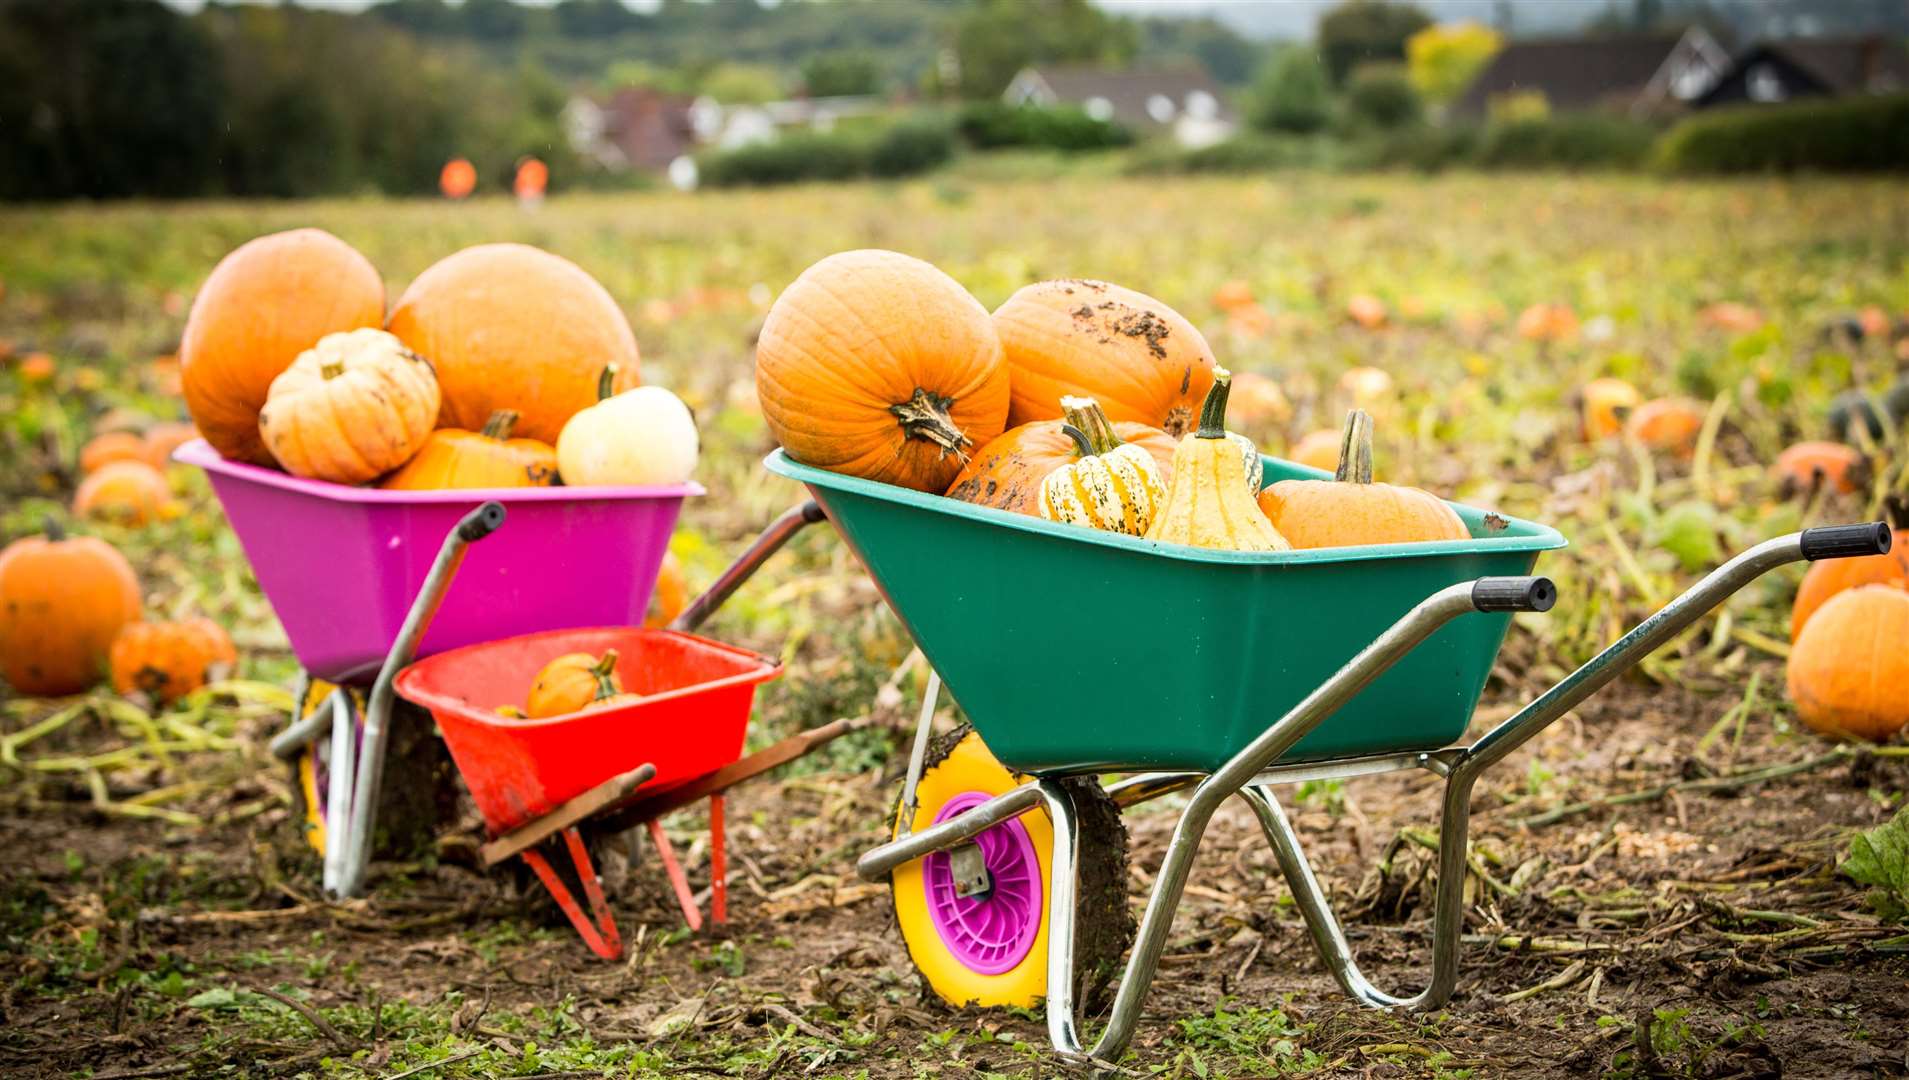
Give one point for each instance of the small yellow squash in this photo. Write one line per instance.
(1114, 486)
(1210, 503)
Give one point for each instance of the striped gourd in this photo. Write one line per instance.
(1112, 486)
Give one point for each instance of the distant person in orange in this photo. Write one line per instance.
(458, 179)
(532, 177)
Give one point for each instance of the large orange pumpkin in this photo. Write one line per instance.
(62, 602)
(1849, 668)
(267, 301)
(508, 326)
(1138, 357)
(1831, 576)
(168, 660)
(878, 365)
(130, 492)
(477, 459)
(1007, 473)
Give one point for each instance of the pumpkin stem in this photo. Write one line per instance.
(500, 424)
(331, 370)
(925, 416)
(1355, 450)
(54, 531)
(603, 669)
(1213, 410)
(1080, 439)
(1085, 413)
(606, 382)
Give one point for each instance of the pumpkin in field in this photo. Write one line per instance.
(1319, 449)
(168, 660)
(112, 446)
(1209, 503)
(489, 458)
(1545, 323)
(36, 369)
(1604, 404)
(1828, 577)
(1367, 311)
(1350, 510)
(350, 408)
(266, 302)
(1135, 355)
(671, 595)
(644, 435)
(1232, 295)
(62, 602)
(1849, 668)
(1667, 424)
(1008, 471)
(1111, 485)
(1366, 386)
(1257, 400)
(129, 492)
(571, 682)
(1809, 465)
(878, 365)
(163, 439)
(509, 326)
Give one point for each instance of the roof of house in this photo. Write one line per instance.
(1846, 65)
(1128, 91)
(1572, 73)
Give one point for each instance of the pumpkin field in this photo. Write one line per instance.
(1703, 871)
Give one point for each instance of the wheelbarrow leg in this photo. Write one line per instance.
(602, 936)
(677, 881)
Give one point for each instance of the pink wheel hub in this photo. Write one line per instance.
(990, 933)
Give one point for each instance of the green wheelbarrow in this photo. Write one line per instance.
(1080, 656)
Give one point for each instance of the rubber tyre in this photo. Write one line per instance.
(959, 763)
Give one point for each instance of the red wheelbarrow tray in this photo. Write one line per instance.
(697, 696)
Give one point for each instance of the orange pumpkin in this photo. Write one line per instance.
(62, 602)
(1007, 473)
(267, 301)
(1319, 449)
(1731, 316)
(1135, 355)
(1256, 401)
(1367, 311)
(1831, 576)
(1849, 668)
(509, 326)
(1350, 510)
(477, 459)
(1808, 465)
(1546, 323)
(626, 697)
(351, 407)
(168, 660)
(878, 365)
(163, 439)
(571, 682)
(1605, 403)
(130, 492)
(36, 369)
(1232, 295)
(671, 595)
(1667, 424)
(110, 447)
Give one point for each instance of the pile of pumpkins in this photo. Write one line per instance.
(1079, 401)
(500, 366)
(1849, 641)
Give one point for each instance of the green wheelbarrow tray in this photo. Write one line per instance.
(1074, 650)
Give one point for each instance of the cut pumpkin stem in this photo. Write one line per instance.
(925, 416)
(331, 371)
(501, 424)
(1213, 409)
(1355, 449)
(1086, 414)
(53, 529)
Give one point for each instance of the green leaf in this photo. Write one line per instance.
(220, 998)
(1880, 857)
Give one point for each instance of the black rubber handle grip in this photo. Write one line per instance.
(481, 522)
(1514, 594)
(1846, 541)
(812, 513)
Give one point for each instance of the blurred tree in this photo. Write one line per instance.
(596, 18)
(1444, 59)
(103, 99)
(734, 84)
(1381, 96)
(1290, 93)
(1212, 44)
(1361, 31)
(837, 74)
(995, 39)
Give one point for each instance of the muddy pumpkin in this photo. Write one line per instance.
(168, 660)
(1007, 473)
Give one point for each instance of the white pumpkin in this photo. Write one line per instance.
(645, 435)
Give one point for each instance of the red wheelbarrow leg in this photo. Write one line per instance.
(602, 937)
(684, 898)
(718, 864)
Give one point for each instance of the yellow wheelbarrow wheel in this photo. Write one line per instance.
(991, 949)
(411, 809)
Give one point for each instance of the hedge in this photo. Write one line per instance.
(1568, 141)
(994, 125)
(904, 149)
(1849, 135)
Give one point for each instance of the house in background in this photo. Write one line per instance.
(1638, 74)
(1184, 102)
(1775, 71)
(730, 126)
(634, 128)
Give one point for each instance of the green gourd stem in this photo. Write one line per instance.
(1080, 439)
(1213, 410)
(603, 669)
(1086, 414)
(1355, 450)
(331, 370)
(54, 531)
(501, 424)
(606, 383)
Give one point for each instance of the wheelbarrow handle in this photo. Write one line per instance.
(779, 532)
(1846, 541)
(481, 522)
(1514, 594)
